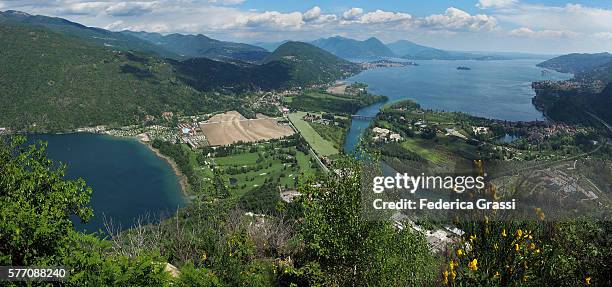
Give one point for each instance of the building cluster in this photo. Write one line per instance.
(386, 135)
(192, 135)
(480, 130)
(586, 86)
(314, 118)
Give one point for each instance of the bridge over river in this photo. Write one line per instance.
(362, 117)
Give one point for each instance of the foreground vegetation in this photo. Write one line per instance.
(323, 239)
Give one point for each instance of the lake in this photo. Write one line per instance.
(491, 89)
(128, 179)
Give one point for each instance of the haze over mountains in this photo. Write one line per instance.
(179, 46)
(195, 46)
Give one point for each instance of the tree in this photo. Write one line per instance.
(36, 204)
(349, 248)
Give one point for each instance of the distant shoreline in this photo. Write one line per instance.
(183, 182)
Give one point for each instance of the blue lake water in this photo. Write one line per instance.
(128, 179)
(491, 89)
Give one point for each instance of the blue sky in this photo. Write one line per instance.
(537, 26)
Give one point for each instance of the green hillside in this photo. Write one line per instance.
(309, 64)
(51, 81)
(54, 82)
(354, 49)
(100, 37)
(201, 46)
(205, 75)
(602, 73)
(576, 63)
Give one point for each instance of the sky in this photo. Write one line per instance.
(534, 26)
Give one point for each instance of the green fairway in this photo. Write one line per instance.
(280, 166)
(321, 146)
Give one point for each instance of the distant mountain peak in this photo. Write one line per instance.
(354, 49)
(15, 12)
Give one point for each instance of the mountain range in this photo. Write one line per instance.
(354, 49)
(200, 46)
(59, 76)
(96, 36)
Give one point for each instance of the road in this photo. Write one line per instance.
(312, 152)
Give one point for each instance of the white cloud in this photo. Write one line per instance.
(226, 2)
(573, 17)
(115, 26)
(603, 35)
(352, 14)
(271, 19)
(86, 8)
(496, 3)
(314, 15)
(456, 19)
(526, 32)
(380, 16)
(123, 9)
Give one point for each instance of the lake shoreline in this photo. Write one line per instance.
(182, 179)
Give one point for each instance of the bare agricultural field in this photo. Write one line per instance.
(338, 89)
(232, 127)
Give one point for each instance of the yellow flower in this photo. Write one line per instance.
(588, 280)
(472, 237)
(525, 278)
(504, 234)
(532, 245)
(537, 251)
(445, 277)
(540, 213)
(459, 252)
(516, 247)
(473, 264)
(453, 275)
(451, 265)
(497, 275)
(519, 233)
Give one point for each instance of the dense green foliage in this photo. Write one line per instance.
(574, 106)
(342, 247)
(197, 46)
(54, 82)
(310, 64)
(37, 208)
(36, 204)
(181, 158)
(205, 74)
(317, 101)
(323, 239)
(501, 253)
